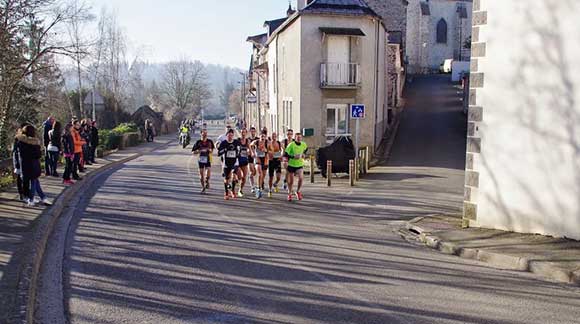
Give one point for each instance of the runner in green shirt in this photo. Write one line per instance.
(295, 153)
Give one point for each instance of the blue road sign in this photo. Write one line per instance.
(357, 111)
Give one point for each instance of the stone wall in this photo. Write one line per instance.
(425, 54)
(393, 13)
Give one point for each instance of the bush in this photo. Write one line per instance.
(126, 128)
(109, 140)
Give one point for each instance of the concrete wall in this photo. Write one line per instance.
(314, 99)
(523, 160)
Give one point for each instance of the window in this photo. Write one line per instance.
(287, 114)
(442, 31)
(336, 121)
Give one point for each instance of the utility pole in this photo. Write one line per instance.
(259, 103)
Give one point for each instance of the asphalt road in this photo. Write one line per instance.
(147, 248)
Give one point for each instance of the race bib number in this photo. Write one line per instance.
(203, 159)
(231, 154)
(244, 154)
(261, 154)
(277, 155)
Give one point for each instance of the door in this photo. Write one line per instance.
(338, 58)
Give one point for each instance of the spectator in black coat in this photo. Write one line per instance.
(30, 154)
(46, 127)
(68, 150)
(94, 141)
(23, 189)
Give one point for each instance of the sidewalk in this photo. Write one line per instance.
(551, 258)
(17, 222)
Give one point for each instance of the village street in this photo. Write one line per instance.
(145, 247)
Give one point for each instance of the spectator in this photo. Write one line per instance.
(94, 141)
(68, 149)
(78, 149)
(86, 136)
(23, 189)
(30, 154)
(46, 127)
(54, 148)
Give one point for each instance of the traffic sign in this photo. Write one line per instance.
(252, 99)
(357, 111)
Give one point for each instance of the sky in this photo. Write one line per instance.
(212, 31)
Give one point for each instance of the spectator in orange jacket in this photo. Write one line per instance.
(78, 143)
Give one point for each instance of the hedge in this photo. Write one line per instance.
(111, 139)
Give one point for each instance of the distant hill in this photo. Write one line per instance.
(218, 77)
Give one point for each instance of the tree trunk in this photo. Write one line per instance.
(4, 143)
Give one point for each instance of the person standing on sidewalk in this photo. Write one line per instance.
(295, 153)
(68, 149)
(54, 148)
(46, 127)
(78, 149)
(94, 142)
(23, 189)
(30, 154)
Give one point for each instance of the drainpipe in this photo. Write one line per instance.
(376, 82)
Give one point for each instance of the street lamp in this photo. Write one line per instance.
(243, 95)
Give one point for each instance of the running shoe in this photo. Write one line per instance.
(269, 193)
(226, 197)
(232, 195)
(253, 190)
(202, 190)
(290, 197)
(240, 194)
(46, 202)
(299, 196)
(276, 190)
(258, 193)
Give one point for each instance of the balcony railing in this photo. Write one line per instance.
(339, 75)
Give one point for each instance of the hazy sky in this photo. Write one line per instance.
(212, 31)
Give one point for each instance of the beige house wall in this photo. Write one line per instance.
(313, 99)
(287, 47)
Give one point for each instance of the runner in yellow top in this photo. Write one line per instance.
(296, 153)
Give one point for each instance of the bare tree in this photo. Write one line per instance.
(27, 35)
(80, 44)
(185, 88)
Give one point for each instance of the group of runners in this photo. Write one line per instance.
(249, 155)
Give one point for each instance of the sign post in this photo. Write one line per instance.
(357, 112)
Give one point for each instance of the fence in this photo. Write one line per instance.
(359, 166)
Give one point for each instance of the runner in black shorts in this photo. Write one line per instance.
(260, 151)
(243, 161)
(204, 147)
(230, 151)
(275, 153)
(251, 161)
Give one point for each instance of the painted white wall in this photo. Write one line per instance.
(273, 91)
(530, 161)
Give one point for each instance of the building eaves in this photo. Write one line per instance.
(272, 25)
(339, 7)
(258, 39)
(342, 31)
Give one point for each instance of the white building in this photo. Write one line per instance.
(523, 153)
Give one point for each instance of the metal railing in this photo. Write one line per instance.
(339, 74)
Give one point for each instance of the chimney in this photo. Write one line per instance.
(290, 11)
(303, 3)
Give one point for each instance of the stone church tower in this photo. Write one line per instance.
(437, 30)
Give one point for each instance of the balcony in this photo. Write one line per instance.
(339, 75)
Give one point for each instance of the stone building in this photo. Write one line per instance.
(437, 30)
(523, 151)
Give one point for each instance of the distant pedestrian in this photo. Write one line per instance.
(54, 148)
(23, 190)
(94, 141)
(149, 131)
(30, 154)
(86, 136)
(46, 127)
(68, 149)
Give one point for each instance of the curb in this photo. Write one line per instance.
(28, 276)
(547, 270)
